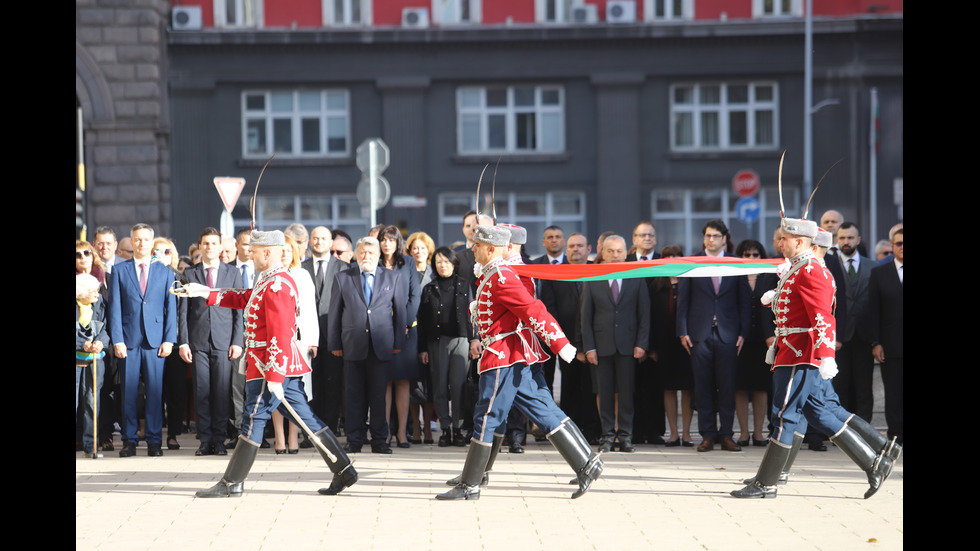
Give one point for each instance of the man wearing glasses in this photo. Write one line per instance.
(713, 318)
(342, 248)
(328, 370)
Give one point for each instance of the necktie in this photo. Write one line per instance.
(142, 278)
(716, 282)
(368, 285)
(901, 274)
(319, 278)
(615, 291)
(850, 268)
(554, 261)
(245, 277)
(211, 277)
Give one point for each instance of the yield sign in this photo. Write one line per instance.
(229, 188)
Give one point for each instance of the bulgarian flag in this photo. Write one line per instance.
(685, 266)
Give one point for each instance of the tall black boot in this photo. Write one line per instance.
(232, 484)
(771, 467)
(784, 476)
(575, 450)
(498, 440)
(473, 471)
(344, 475)
(877, 441)
(876, 465)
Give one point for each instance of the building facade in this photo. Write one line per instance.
(600, 114)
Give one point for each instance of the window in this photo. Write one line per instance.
(455, 12)
(680, 214)
(298, 123)
(723, 116)
(514, 119)
(554, 11)
(533, 211)
(275, 212)
(777, 8)
(668, 10)
(346, 12)
(236, 13)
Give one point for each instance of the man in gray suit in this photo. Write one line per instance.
(328, 370)
(615, 335)
(854, 359)
(367, 328)
(210, 338)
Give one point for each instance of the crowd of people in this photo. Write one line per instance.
(650, 352)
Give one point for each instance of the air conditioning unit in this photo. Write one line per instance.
(621, 11)
(584, 14)
(415, 18)
(186, 18)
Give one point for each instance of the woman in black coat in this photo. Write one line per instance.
(753, 376)
(446, 342)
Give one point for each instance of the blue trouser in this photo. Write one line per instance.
(516, 425)
(825, 401)
(713, 363)
(798, 400)
(260, 403)
(145, 362)
(515, 386)
(84, 392)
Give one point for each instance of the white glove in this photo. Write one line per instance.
(828, 368)
(276, 390)
(567, 353)
(196, 290)
(478, 270)
(768, 296)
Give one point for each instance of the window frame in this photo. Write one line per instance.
(723, 110)
(248, 13)
(686, 10)
(450, 225)
(300, 203)
(693, 220)
(760, 10)
(449, 12)
(324, 115)
(330, 18)
(512, 114)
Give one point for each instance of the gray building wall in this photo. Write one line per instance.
(616, 82)
(121, 89)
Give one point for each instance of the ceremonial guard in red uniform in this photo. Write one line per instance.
(827, 395)
(506, 316)
(275, 367)
(802, 357)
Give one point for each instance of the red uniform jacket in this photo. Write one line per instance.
(502, 305)
(805, 326)
(270, 325)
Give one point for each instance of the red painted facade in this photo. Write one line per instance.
(387, 13)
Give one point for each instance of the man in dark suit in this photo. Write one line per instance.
(854, 359)
(886, 307)
(366, 328)
(713, 320)
(328, 370)
(210, 338)
(143, 328)
(615, 335)
(561, 298)
(649, 423)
